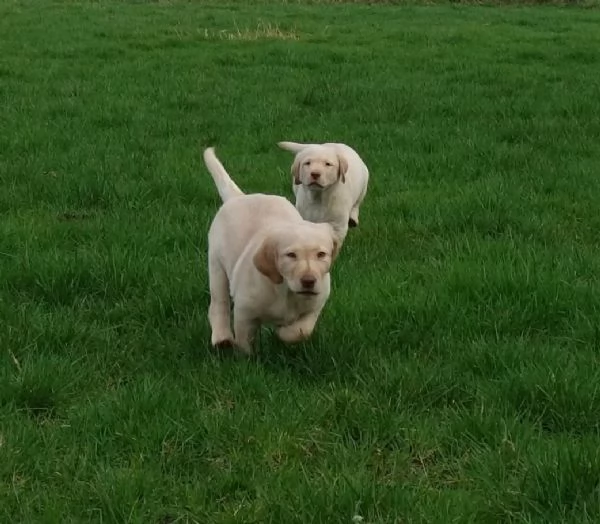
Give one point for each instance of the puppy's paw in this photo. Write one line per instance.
(229, 349)
(226, 343)
(223, 348)
(291, 334)
(221, 337)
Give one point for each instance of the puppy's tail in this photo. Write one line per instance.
(294, 147)
(226, 187)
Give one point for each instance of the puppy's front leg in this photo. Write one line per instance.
(299, 330)
(244, 328)
(340, 228)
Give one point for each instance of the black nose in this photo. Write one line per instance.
(315, 175)
(308, 282)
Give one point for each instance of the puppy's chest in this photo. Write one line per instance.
(320, 213)
(314, 212)
(318, 208)
(284, 311)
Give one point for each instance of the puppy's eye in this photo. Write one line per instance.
(291, 254)
(307, 163)
(321, 254)
(328, 164)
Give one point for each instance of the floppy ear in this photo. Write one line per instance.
(265, 260)
(336, 249)
(342, 168)
(296, 170)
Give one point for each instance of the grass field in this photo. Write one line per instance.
(454, 375)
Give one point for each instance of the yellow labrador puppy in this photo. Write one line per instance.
(330, 183)
(272, 263)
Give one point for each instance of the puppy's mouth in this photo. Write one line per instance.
(315, 184)
(307, 293)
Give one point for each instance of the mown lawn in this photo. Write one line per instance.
(454, 376)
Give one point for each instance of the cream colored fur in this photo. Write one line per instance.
(329, 182)
(273, 264)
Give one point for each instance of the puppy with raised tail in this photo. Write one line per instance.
(329, 182)
(271, 262)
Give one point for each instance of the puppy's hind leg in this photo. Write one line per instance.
(353, 220)
(219, 314)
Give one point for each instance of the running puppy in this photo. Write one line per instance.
(271, 262)
(330, 183)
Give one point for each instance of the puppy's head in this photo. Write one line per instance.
(299, 256)
(318, 167)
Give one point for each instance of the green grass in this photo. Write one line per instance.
(454, 375)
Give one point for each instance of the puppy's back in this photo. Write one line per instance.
(240, 219)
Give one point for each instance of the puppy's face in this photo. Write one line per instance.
(300, 257)
(319, 167)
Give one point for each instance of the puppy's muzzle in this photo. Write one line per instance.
(308, 285)
(314, 180)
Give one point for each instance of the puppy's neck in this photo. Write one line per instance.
(294, 305)
(299, 305)
(328, 206)
(321, 195)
